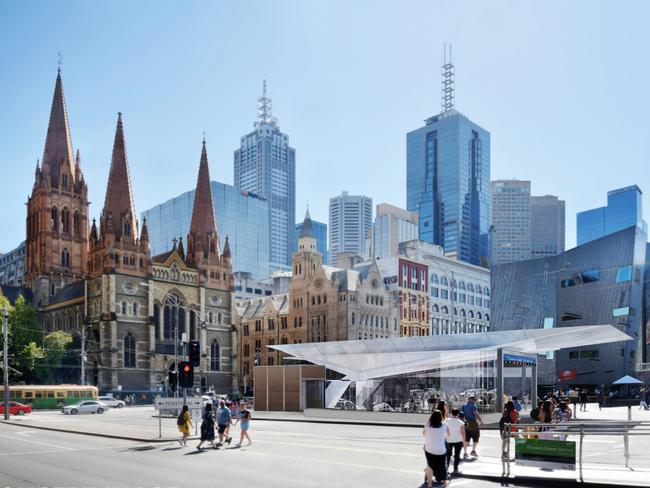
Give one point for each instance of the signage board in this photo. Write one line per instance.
(568, 375)
(171, 403)
(545, 453)
(516, 360)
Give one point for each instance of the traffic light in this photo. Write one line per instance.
(195, 353)
(204, 384)
(186, 375)
(172, 379)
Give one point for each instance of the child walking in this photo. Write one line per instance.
(244, 423)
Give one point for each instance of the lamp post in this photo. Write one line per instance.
(5, 360)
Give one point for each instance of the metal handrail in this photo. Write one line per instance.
(582, 428)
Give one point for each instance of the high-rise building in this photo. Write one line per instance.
(265, 164)
(510, 222)
(448, 179)
(319, 230)
(392, 226)
(546, 226)
(242, 216)
(624, 209)
(12, 266)
(350, 221)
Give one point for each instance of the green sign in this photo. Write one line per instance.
(545, 453)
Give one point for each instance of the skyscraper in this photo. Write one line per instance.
(510, 221)
(392, 226)
(624, 209)
(546, 226)
(350, 221)
(448, 179)
(319, 230)
(265, 164)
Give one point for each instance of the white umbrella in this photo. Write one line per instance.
(627, 380)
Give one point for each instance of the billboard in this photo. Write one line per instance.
(545, 453)
(568, 375)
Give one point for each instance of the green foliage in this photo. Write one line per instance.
(25, 337)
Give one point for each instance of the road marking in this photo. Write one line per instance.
(337, 448)
(37, 443)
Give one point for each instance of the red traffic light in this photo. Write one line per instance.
(187, 368)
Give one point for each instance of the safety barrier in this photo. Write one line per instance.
(581, 429)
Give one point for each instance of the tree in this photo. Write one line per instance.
(25, 338)
(48, 368)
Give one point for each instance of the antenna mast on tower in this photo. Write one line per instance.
(447, 81)
(264, 106)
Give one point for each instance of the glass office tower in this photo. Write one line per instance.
(448, 184)
(265, 164)
(623, 210)
(242, 216)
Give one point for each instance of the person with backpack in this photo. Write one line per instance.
(207, 427)
(511, 417)
(184, 423)
(455, 439)
(244, 423)
(224, 419)
(472, 431)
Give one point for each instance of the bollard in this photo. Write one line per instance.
(627, 446)
(582, 435)
(509, 429)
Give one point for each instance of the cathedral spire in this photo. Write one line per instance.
(119, 199)
(203, 230)
(58, 158)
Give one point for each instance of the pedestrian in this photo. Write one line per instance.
(573, 397)
(472, 431)
(207, 427)
(516, 403)
(435, 433)
(456, 438)
(509, 416)
(583, 400)
(643, 404)
(442, 406)
(184, 422)
(224, 418)
(647, 398)
(546, 417)
(535, 412)
(244, 419)
(562, 415)
(601, 397)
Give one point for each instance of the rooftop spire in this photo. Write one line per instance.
(447, 81)
(203, 227)
(307, 226)
(119, 199)
(264, 106)
(58, 156)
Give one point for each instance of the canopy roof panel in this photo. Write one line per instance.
(377, 358)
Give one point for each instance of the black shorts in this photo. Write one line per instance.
(222, 428)
(472, 435)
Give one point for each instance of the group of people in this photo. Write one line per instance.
(446, 433)
(222, 418)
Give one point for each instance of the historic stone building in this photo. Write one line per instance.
(135, 311)
(323, 303)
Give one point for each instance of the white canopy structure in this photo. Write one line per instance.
(379, 358)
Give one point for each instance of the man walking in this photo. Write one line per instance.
(224, 419)
(472, 431)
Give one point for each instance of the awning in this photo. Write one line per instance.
(378, 358)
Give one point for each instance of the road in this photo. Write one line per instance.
(281, 456)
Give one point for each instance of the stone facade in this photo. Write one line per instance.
(134, 310)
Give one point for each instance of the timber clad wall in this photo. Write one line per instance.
(280, 388)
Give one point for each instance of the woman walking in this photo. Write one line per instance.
(546, 417)
(244, 423)
(455, 438)
(184, 422)
(442, 406)
(511, 417)
(207, 427)
(435, 433)
(584, 398)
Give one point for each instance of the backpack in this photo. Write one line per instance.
(181, 419)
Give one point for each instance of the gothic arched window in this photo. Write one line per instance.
(156, 315)
(167, 322)
(214, 356)
(55, 219)
(129, 350)
(76, 224)
(65, 258)
(65, 220)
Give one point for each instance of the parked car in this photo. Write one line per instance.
(16, 408)
(89, 406)
(111, 402)
(346, 405)
(382, 407)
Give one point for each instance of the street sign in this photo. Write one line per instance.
(171, 403)
(545, 453)
(510, 360)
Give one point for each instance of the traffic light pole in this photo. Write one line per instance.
(5, 360)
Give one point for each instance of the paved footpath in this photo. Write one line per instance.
(311, 454)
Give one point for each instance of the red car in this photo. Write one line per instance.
(16, 408)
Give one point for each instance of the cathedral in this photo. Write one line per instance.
(135, 311)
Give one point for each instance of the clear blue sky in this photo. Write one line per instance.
(562, 87)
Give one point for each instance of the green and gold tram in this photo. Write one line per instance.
(50, 396)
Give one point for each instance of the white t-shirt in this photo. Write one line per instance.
(434, 439)
(454, 426)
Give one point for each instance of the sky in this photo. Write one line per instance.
(561, 86)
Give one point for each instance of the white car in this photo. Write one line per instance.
(112, 402)
(89, 406)
(383, 407)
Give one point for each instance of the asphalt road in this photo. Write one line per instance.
(284, 456)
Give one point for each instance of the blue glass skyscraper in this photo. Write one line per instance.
(265, 165)
(448, 180)
(623, 210)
